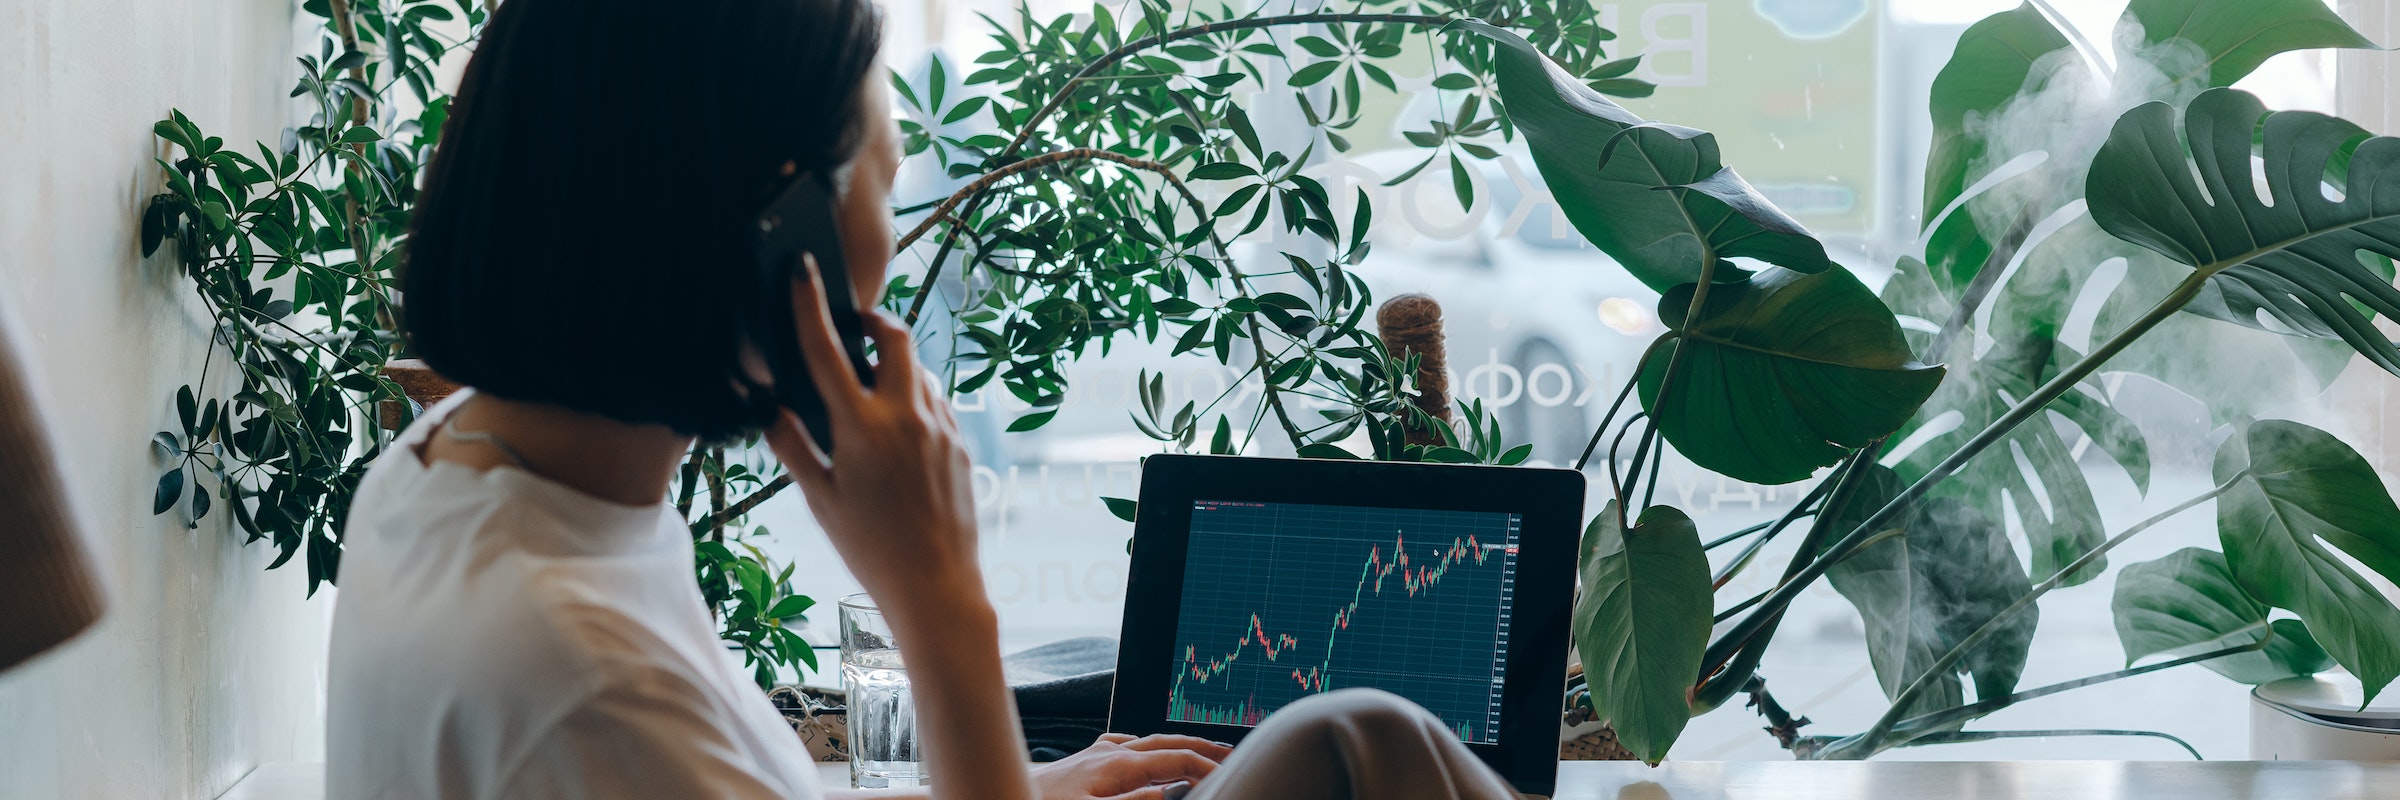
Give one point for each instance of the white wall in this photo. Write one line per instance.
(206, 665)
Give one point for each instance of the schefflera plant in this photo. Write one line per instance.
(292, 254)
(1771, 374)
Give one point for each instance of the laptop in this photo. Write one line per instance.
(1256, 582)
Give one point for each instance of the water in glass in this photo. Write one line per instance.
(883, 716)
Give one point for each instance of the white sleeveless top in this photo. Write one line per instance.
(497, 635)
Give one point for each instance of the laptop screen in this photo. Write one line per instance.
(1285, 600)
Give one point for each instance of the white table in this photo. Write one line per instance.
(1787, 780)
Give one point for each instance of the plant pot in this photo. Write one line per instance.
(1581, 735)
(1597, 744)
(423, 386)
(2320, 718)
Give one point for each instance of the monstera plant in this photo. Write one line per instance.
(2226, 214)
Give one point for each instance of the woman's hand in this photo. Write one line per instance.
(898, 508)
(1121, 767)
(896, 501)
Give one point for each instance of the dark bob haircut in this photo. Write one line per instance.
(585, 232)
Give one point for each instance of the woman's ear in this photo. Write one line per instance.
(863, 191)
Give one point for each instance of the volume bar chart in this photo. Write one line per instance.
(1282, 601)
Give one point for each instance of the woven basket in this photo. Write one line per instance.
(1577, 743)
(1599, 745)
(819, 716)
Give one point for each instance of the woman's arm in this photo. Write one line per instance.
(1117, 767)
(898, 506)
(950, 638)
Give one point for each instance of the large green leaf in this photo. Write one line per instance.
(2236, 371)
(2015, 70)
(2293, 491)
(2005, 56)
(2233, 37)
(2277, 367)
(1921, 592)
(2274, 369)
(2189, 46)
(2187, 603)
(1653, 196)
(2296, 255)
(1989, 67)
(1785, 373)
(2069, 525)
(2024, 355)
(1641, 624)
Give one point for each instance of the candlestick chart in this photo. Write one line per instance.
(1282, 601)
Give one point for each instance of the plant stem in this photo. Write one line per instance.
(235, 312)
(1962, 737)
(1666, 382)
(1728, 660)
(1872, 740)
(689, 478)
(1241, 287)
(1780, 721)
(1721, 541)
(1707, 695)
(1273, 396)
(716, 494)
(347, 28)
(1616, 484)
(1798, 510)
(1737, 608)
(1658, 460)
(2024, 409)
(1641, 458)
(718, 518)
(1611, 416)
(1954, 716)
(1718, 680)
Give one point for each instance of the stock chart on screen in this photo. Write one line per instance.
(1285, 600)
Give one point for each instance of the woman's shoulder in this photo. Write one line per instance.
(528, 661)
(481, 579)
(486, 585)
(459, 634)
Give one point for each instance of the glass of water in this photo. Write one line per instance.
(883, 717)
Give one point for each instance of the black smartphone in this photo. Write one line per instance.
(800, 220)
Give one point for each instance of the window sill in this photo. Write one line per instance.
(1788, 780)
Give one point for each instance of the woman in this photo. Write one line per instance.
(517, 615)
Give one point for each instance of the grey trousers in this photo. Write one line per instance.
(1353, 743)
